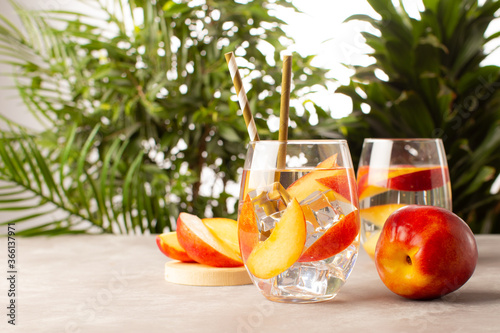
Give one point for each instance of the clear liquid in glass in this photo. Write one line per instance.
(384, 190)
(325, 205)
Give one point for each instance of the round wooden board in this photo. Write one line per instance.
(195, 274)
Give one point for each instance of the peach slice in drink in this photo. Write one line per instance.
(248, 232)
(379, 214)
(418, 179)
(307, 184)
(329, 163)
(341, 183)
(371, 243)
(376, 215)
(326, 176)
(283, 247)
(373, 181)
(335, 240)
(366, 191)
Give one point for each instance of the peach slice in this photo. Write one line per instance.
(283, 247)
(202, 245)
(226, 230)
(419, 179)
(378, 214)
(307, 184)
(373, 181)
(169, 246)
(371, 243)
(320, 180)
(335, 240)
(365, 190)
(327, 175)
(329, 163)
(342, 183)
(248, 232)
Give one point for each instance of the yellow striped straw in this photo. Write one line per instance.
(242, 97)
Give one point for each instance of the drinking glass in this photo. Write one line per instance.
(393, 173)
(298, 218)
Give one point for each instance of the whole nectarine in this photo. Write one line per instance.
(425, 252)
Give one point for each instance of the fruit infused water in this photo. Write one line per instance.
(299, 227)
(384, 185)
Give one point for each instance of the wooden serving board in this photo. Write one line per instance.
(195, 274)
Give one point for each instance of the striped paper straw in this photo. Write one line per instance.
(242, 97)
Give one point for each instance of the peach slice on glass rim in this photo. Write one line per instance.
(283, 247)
(169, 246)
(202, 244)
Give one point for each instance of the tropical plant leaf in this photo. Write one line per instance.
(436, 87)
(137, 102)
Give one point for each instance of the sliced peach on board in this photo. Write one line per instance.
(202, 245)
(371, 243)
(226, 230)
(379, 214)
(248, 232)
(335, 240)
(283, 247)
(169, 246)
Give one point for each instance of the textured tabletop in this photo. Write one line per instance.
(116, 284)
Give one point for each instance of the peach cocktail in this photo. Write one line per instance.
(393, 173)
(298, 221)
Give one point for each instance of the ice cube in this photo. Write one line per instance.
(312, 234)
(305, 279)
(321, 211)
(269, 203)
(344, 261)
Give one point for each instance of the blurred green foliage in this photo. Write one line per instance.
(428, 80)
(142, 120)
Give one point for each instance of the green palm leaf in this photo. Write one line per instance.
(136, 107)
(437, 87)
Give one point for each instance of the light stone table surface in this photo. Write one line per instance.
(107, 283)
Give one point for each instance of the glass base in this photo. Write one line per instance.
(310, 282)
(299, 300)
